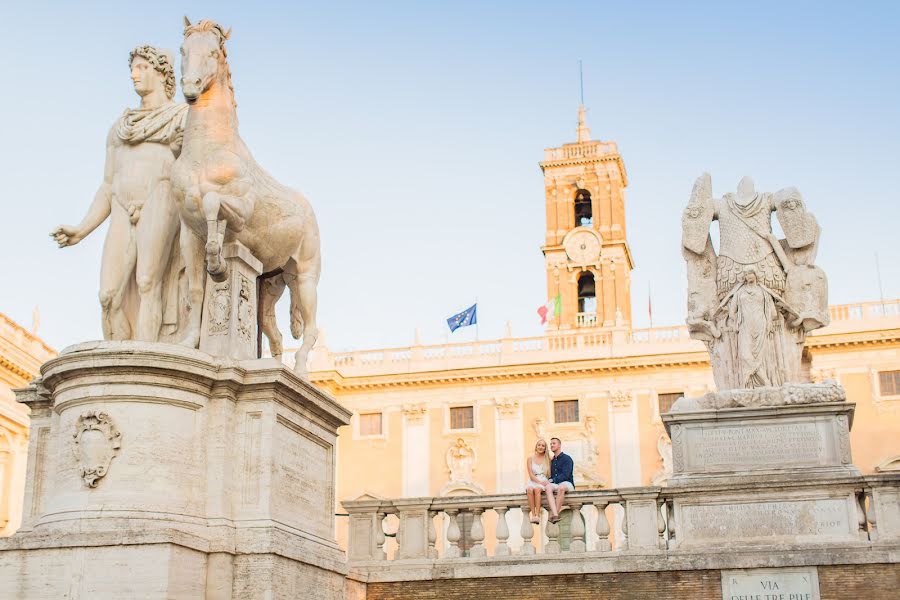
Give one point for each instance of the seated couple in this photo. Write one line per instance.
(549, 476)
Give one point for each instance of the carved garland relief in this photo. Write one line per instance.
(96, 443)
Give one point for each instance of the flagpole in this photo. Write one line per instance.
(476, 318)
(650, 303)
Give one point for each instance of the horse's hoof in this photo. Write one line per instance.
(218, 275)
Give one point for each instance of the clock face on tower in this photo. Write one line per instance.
(583, 247)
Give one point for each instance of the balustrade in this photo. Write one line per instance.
(478, 527)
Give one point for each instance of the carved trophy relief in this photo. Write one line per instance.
(539, 426)
(245, 314)
(461, 459)
(220, 309)
(96, 443)
(752, 302)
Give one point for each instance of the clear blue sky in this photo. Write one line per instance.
(416, 128)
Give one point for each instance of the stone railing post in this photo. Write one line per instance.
(477, 534)
(452, 533)
(412, 535)
(364, 526)
(577, 528)
(502, 532)
(641, 521)
(527, 531)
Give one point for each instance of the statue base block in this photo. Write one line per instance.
(775, 443)
(157, 471)
(229, 325)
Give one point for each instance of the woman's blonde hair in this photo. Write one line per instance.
(546, 463)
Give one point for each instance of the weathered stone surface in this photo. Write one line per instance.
(723, 520)
(224, 473)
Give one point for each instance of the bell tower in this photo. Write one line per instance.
(586, 250)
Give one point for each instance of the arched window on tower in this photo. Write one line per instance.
(587, 300)
(583, 212)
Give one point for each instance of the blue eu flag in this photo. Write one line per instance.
(463, 319)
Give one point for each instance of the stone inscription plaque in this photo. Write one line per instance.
(762, 521)
(771, 584)
(726, 447)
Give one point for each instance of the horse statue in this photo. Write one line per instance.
(224, 195)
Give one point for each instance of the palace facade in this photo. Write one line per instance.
(460, 419)
(22, 353)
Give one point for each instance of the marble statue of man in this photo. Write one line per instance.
(754, 301)
(139, 273)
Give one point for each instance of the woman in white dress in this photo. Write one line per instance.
(537, 466)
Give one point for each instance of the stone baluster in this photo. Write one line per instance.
(527, 531)
(477, 534)
(552, 546)
(380, 554)
(453, 534)
(432, 535)
(577, 528)
(603, 544)
(661, 524)
(872, 516)
(623, 545)
(861, 516)
(670, 522)
(502, 531)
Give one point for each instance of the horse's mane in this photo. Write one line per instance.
(221, 35)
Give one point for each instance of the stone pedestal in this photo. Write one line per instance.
(774, 443)
(160, 472)
(229, 326)
(770, 475)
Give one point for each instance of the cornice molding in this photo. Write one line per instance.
(335, 382)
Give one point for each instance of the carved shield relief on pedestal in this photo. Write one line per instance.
(96, 443)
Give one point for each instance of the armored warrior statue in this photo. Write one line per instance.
(139, 275)
(754, 302)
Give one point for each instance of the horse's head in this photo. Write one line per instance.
(202, 57)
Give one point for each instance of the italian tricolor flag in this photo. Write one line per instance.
(550, 310)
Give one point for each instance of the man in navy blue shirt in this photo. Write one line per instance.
(561, 480)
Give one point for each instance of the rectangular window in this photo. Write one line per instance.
(462, 417)
(889, 383)
(370, 424)
(667, 400)
(565, 411)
